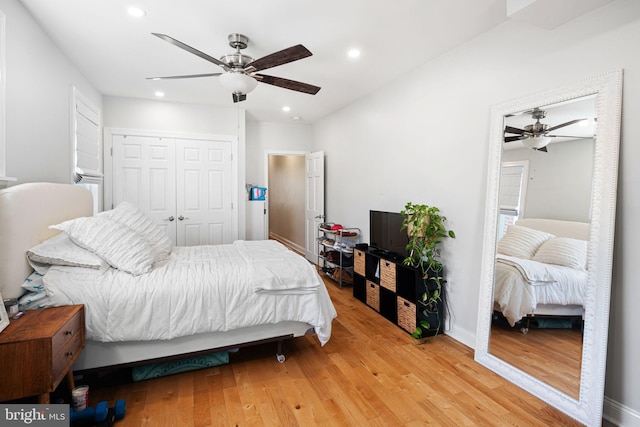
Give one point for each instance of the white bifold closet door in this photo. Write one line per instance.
(184, 185)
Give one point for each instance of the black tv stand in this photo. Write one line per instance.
(394, 290)
(386, 254)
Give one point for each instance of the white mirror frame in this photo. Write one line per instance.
(588, 408)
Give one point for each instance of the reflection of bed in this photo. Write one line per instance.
(151, 320)
(541, 269)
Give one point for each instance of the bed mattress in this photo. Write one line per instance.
(521, 285)
(197, 289)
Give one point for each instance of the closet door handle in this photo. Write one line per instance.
(171, 218)
(182, 218)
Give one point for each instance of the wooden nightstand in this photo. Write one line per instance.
(38, 350)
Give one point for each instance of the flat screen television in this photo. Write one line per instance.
(385, 235)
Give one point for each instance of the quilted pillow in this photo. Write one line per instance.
(117, 244)
(60, 250)
(131, 216)
(522, 242)
(563, 251)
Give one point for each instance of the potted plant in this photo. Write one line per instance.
(426, 230)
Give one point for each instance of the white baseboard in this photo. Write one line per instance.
(465, 337)
(296, 247)
(620, 415)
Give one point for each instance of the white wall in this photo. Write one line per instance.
(424, 139)
(559, 180)
(263, 137)
(38, 104)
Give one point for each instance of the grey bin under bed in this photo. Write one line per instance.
(161, 369)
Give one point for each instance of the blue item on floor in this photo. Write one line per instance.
(161, 369)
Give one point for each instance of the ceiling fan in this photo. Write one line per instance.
(537, 135)
(240, 71)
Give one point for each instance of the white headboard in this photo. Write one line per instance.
(26, 212)
(572, 229)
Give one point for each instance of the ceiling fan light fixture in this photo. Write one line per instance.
(238, 82)
(536, 142)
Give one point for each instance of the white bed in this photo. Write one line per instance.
(541, 269)
(164, 322)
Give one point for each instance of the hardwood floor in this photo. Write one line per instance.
(554, 356)
(370, 373)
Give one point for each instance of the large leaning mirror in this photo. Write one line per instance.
(546, 268)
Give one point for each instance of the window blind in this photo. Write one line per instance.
(510, 189)
(86, 141)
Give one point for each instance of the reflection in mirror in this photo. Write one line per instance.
(548, 245)
(537, 324)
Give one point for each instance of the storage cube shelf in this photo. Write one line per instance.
(394, 290)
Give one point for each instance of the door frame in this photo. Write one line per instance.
(107, 150)
(268, 153)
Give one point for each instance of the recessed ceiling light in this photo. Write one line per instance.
(136, 11)
(286, 108)
(159, 94)
(353, 53)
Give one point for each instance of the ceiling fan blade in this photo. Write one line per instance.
(544, 149)
(514, 138)
(569, 136)
(284, 56)
(191, 50)
(189, 76)
(564, 124)
(288, 84)
(517, 131)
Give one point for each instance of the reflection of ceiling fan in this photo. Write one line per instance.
(240, 70)
(537, 135)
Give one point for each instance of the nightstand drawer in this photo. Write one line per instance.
(66, 344)
(68, 332)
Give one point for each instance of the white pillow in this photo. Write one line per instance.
(138, 221)
(522, 242)
(116, 243)
(563, 251)
(60, 250)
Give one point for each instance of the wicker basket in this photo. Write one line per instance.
(373, 295)
(358, 262)
(406, 315)
(388, 275)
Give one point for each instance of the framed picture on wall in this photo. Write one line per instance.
(4, 318)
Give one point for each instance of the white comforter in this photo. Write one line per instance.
(520, 285)
(198, 289)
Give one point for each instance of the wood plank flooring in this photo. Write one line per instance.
(371, 373)
(554, 356)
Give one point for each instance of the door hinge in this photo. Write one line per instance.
(111, 151)
(231, 205)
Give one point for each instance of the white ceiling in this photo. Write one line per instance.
(116, 52)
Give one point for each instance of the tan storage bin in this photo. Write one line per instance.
(373, 296)
(388, 275)
(406, 315)
(358, 262)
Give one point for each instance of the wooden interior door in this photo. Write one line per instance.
(144, 175)
(185, 185)
(204, 204)
(314, 202)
